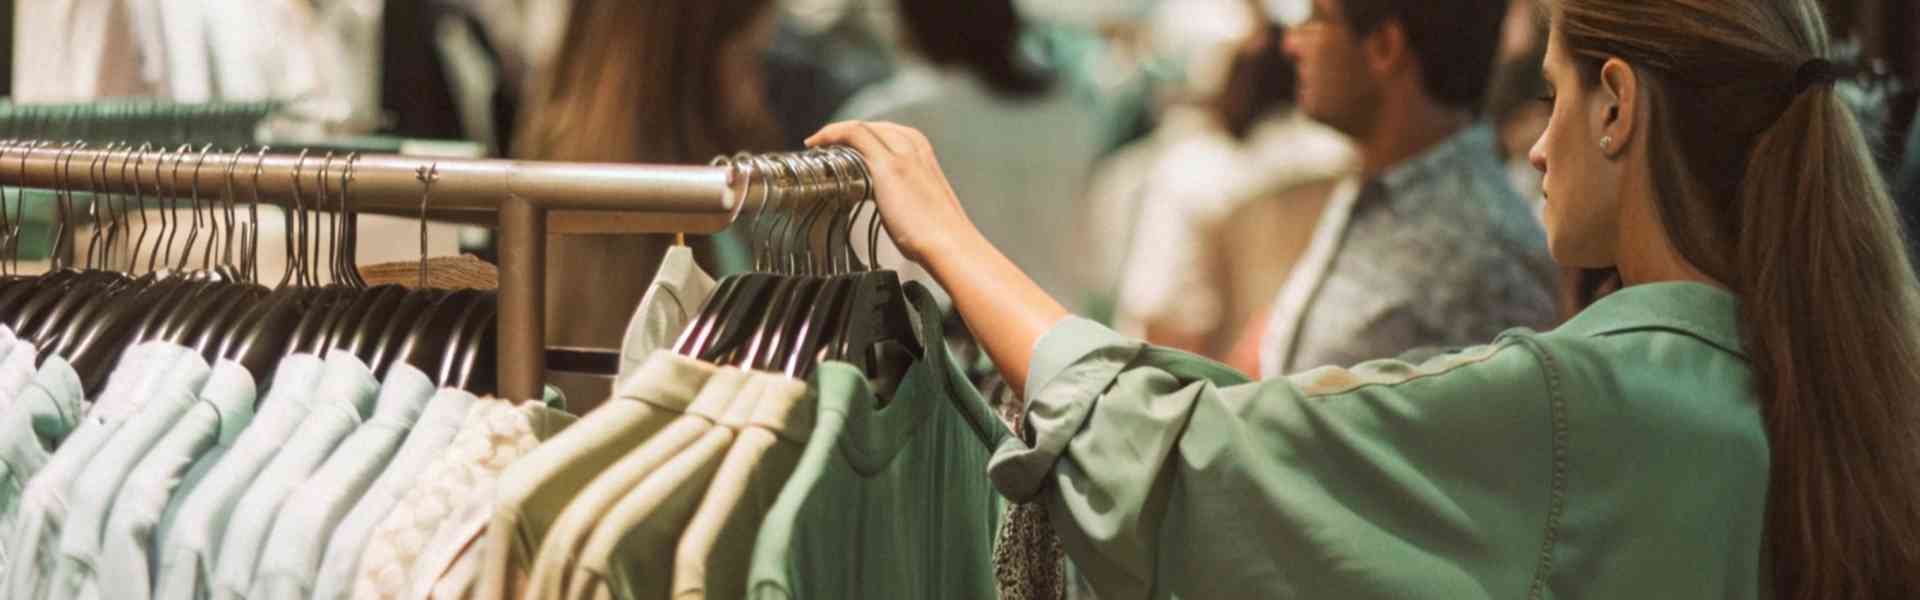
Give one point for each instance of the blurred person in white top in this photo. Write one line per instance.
(1235, 138)
(1013, 137)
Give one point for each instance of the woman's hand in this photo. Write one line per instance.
(1007, 312)
(917, 204)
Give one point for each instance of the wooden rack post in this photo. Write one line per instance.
(521, 198)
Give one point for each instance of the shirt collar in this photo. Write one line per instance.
(1454, 156)
(1705, 312)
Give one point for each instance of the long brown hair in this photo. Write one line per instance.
(640, 81)
(1768, 186)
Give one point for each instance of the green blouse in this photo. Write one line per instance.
(1622, 455)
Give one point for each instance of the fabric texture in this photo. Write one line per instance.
(558, 551)
(94, 491)
(716, 550)
(1439, 251)
(875, 485)
(342, 400)
(295, 548)
(679, 288)
(1499, 471)
(537, 489)
(33, 541)
(197, 520)
(1027, 555)
(428, 439)
(421, 540)
(223, 409)
(44, 415)
(629, 553)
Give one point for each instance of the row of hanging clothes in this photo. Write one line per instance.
(172, 428)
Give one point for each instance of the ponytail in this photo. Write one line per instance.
(1829, 320)
(1764, 182)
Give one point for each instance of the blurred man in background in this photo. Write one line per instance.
(1428, 245)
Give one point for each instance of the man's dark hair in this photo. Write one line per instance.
(1453, 40)
(981, 36)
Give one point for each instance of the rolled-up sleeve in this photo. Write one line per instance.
(1172, 477)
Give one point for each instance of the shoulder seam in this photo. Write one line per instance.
(1557, 504)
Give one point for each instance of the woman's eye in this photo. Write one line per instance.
(1547, 99)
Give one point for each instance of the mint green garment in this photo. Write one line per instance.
(34, 536)
(343, 399)
(886, 502)
(94, 491)
(291, 558)
(223, 409)
(1619, 456)
(44, 415)
(187, 544)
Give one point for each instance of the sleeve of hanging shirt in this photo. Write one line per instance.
(1170, 476)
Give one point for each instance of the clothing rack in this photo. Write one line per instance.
(523, 199)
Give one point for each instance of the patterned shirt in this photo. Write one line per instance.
(1439, 251)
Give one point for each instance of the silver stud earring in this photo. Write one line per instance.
(1606, 143)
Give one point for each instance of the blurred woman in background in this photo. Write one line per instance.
(1017, 142)
(657, 81)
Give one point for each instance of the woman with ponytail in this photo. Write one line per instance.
(1738, 420)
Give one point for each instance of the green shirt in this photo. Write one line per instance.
(1620, 456)
(886, 502)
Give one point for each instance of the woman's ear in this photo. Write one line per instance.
(1616, 106)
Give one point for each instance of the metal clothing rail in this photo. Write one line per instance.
(520, 198)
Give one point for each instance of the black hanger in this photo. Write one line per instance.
(427, 342)
(473, 343)
(362, 340)
(454, 344)
(413, 309)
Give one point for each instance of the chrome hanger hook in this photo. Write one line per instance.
(427, 174)
(293, 223)
(253, 216)
(194, 234)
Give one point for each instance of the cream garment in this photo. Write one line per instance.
(716, 551)
(450, 567)
(630, 550)
(493, 435)
(554, 563)
(78, 50)
(535, 490)
(678, 290)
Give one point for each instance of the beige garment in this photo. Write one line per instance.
(494, 434)
(631, 549)
(716, 551)
(535, 490)
(451, 567)
(1247, 254)
(570, 532)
